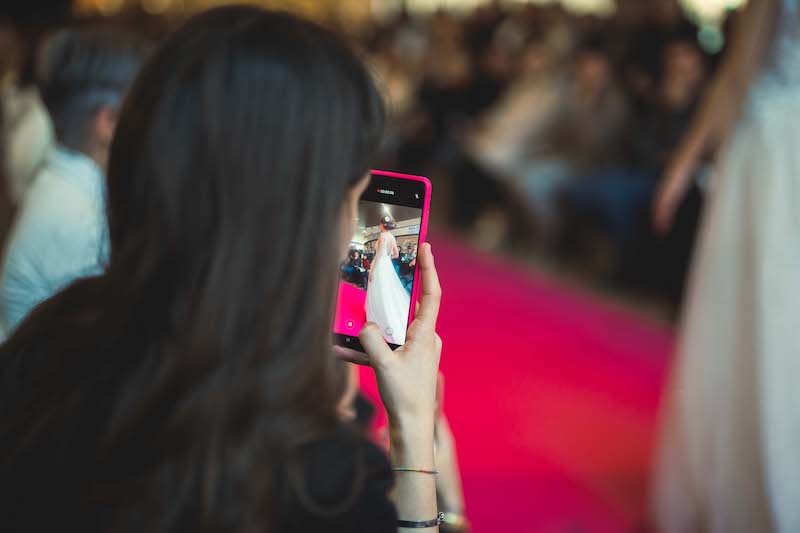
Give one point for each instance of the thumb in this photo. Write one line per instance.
(373, 343)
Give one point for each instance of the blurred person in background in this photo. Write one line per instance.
(613, 206)
(7, 40)
(584, 137)
(501, 139)
(26, 127)
(643, 30)
(60, 232)
(551, 128)
(496, 148)
(447, 73)
(191, 385)
(728, 458)
(6, 206)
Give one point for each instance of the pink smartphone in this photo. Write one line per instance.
(378, 279)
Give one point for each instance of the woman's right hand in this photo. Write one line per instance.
(407, 383)
(407, 376)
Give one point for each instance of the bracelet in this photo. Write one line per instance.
(423, 524)
(418, 470)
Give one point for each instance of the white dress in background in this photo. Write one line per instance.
(729, 459)
(388, 303)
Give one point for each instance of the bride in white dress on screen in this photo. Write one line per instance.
(729, 457)
(388, 303)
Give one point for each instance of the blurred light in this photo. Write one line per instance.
(712, 11)
(156, 7)
(452, 5)
(711, 39)
(591, 7)
(597, 7)
(108, 7)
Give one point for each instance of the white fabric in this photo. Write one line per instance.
(388, 303)
(60, 234)
(28, 134)
(729, 460)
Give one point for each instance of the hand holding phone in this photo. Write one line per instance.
(391, 223)
(407, 377)
(407, 382)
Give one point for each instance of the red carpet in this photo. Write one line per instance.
(552, 396)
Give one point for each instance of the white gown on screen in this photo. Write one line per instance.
(388, 302)
(729, 460)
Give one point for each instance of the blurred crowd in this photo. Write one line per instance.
(546, 133)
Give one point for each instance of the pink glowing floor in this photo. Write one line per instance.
(552, 396)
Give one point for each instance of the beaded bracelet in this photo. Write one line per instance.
(418, 470)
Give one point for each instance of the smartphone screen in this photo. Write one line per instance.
(378, 273)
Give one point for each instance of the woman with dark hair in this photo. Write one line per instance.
(388, 302)
(191, 386)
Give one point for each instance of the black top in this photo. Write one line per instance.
(46, 490)
(36, 498)
(329, 478)
(64, 478)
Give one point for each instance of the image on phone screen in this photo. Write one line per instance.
(376, 277)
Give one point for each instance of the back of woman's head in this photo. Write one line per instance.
(388, 222)
(234, 153)
(229, 169)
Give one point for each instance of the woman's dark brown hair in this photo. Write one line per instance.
(183, 380)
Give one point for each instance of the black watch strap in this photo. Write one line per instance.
(420, 525)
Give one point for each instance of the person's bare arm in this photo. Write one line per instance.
(720, 107)
(407, 381)
(724, 98)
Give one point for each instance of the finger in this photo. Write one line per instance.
(431, 289)
(351, 356)
(373, 342)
